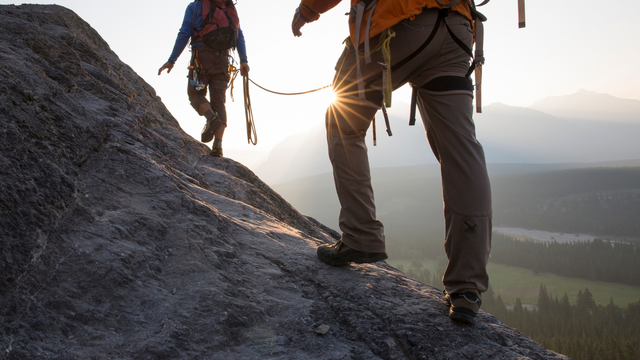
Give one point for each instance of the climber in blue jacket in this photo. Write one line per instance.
(214, 30)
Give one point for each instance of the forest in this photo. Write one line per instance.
(601, 201)
(596, 260)
(584, 331)
(604, 202)
(599, 260)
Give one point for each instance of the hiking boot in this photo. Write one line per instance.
(210, 128)
(216, 148)
(340, 254)
(217, 152)
(464, 307)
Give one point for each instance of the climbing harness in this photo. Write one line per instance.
(478, 57)
(384, 45)
(357, 14)
(195, 69)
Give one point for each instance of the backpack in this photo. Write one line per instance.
(220, 25)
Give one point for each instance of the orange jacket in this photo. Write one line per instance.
(386, 14)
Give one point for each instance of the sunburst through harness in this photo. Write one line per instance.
(357, 16)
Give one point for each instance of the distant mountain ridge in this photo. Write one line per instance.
(590, 105)
(509, 134)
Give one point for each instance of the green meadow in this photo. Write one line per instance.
(514, 282)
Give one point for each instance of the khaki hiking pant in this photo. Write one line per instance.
(445, 104)
(215, 75)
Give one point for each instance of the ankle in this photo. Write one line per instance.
(476, 292)
(209, 114)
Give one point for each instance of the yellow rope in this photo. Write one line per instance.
(234, 73)
(384, 39)
(387, 84)
(384, 43)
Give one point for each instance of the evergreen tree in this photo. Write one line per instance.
(582, 331)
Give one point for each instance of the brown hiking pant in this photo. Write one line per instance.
(445, 104)
(215, 75)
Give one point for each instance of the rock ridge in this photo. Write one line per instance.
(122, 239)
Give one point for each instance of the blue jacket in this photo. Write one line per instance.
(186, 31)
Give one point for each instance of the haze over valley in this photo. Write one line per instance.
(552, 131)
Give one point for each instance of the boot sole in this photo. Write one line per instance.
(207, 134)
(359, 259)
(215, 153)
(462, 317)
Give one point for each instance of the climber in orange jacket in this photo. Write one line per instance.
(426, 43)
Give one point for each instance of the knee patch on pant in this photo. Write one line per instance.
(197, 98)
(197, 101)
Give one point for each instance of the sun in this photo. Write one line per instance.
(327, 95)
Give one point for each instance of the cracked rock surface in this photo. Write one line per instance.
(120, 238)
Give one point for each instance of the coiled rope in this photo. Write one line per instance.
(252, 135)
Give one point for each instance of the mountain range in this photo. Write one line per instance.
(584, 127)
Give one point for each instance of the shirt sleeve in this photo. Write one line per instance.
(242, 47)
(183, 35)
(311, 9)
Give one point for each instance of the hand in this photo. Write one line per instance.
(167, 66)
(297, 23)
(244, 69)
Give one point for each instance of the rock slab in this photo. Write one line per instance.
(122, 239)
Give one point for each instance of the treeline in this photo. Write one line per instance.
(584, 331)
(408, 246)
(417, 271)
(603, 201)
(597, 260)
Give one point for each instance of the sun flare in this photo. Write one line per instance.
(328, 96)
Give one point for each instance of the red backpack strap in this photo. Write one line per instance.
(208, 9)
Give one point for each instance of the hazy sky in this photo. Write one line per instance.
(567, 45)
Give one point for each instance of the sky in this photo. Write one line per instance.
(566, 46)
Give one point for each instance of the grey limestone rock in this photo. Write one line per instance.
(122, 239)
